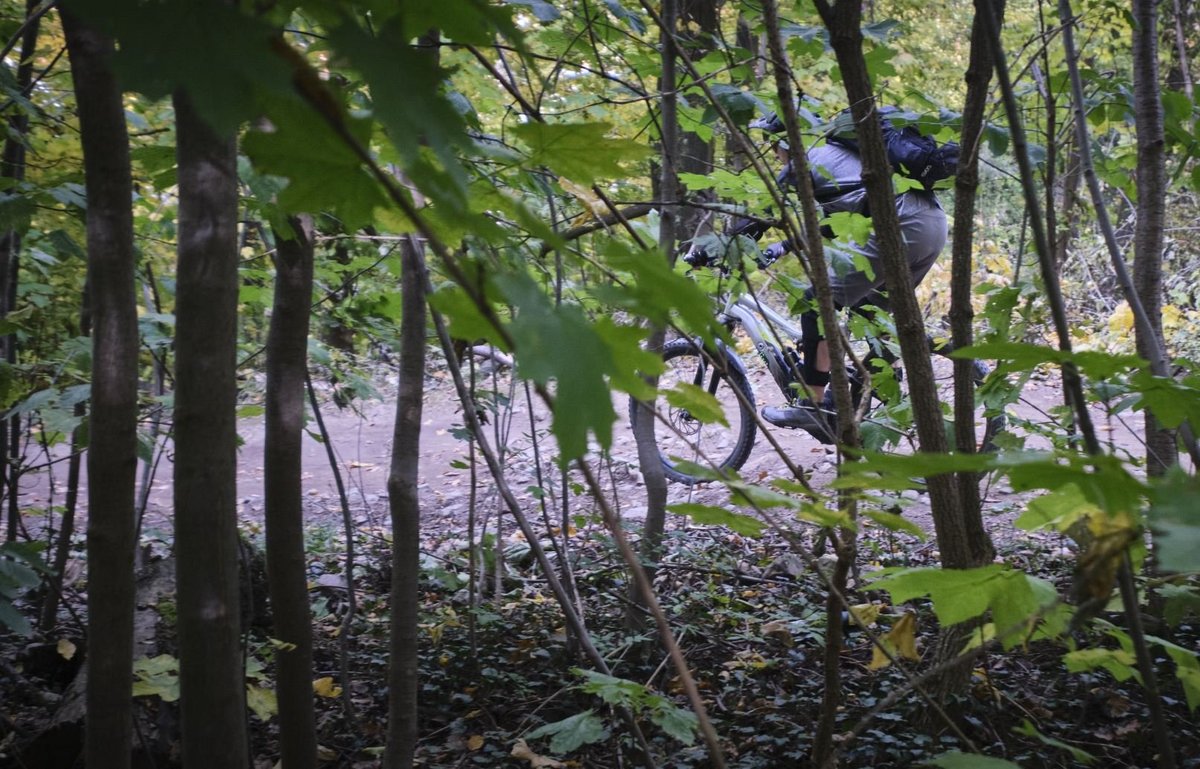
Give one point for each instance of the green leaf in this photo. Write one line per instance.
(1058, 510)
(848, 225)
(1175, 518)
(557, 343)
(613, 690)
(1187, 669)
(616, 8)
(675, 721)
(466, 320)
(323, 173)
(741, 105)
(894, 522)
(657, 292)
(15, 212)
(710, 515)
(261, 701)
(221, 56)
(959, 595)
(1170, 401)
(417, 114)
(1180, 601)
(572, 732)
(13, 620)
(1029, 730)
(1120, 663)
(957, 760)
(582, 152)
(698, 402)
(157, 677)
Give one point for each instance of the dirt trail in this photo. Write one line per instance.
(362, 441)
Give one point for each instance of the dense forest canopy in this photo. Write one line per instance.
(230, 229)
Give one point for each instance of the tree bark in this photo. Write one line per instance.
(1151, 178)
(12, 166)
(287, 573)
(694, 155)
(404, 503)
(843, 20)
(962, 315)
(212, 685)
(112, 459)
(649, 460)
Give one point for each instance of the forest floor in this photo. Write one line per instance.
(750, 620)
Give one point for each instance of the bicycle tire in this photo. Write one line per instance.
(679, 435)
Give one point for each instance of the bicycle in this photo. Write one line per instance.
(719, 370)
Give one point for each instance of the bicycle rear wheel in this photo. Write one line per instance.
(679, 434)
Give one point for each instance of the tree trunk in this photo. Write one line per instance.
(212, 685)
(843, 20)
(979, 78)
(649, 460)
(112, 459)
(287, 573)
(1151, 210)
(12, 166)
(405, 507)
(694, 155)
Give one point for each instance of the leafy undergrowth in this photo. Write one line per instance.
(502, 685)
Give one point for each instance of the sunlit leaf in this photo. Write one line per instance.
(583, 152)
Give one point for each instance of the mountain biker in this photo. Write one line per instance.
(836, 173)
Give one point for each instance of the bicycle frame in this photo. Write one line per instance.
(768, 329)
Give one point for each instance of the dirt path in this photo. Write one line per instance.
(362, 439)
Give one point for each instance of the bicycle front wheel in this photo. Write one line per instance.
(680, 434)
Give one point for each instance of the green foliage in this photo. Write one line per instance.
(581, 152)
(1016, 600)
(572, 732)
(1175, 517)
(957, 760)
(710, 515)
(21, 568)
(678, 723)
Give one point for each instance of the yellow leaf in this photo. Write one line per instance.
(865, 614)
(1120, 322)
(262, 702)
(324, 687)
(901, 641)
(475, 742)
(66, 649)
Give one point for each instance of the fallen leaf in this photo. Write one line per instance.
(901, 641)
(865, 614)
(778, 629)
(324, 687)
(522, 751)
(66, 649)
(475, 742)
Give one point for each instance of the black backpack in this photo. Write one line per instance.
(910, 152)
